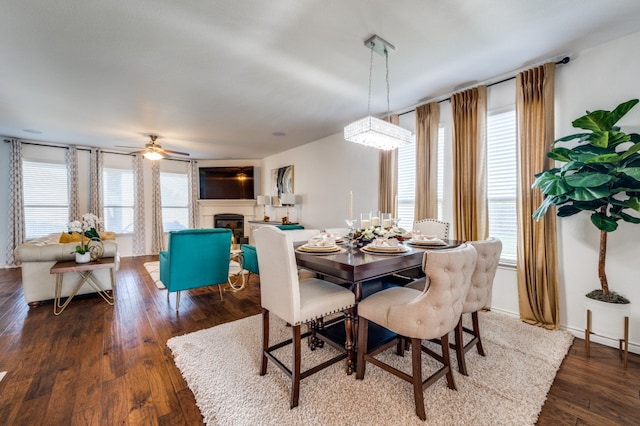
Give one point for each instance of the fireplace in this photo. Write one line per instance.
(233, 221)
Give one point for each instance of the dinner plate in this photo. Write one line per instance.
(385, 250)
(318, 249)
(437, 242)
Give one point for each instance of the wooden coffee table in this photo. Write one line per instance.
(85, 272)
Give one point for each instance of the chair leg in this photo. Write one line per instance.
(363, 331)
(446, 360)
(265, 341)
(220, 290)
(416, 363)
(177, 301)
(459, 346)
(295, 376)
(476, 332)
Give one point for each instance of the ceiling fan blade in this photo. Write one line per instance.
(124, 146)
(176, 152)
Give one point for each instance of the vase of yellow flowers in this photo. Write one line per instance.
(89, 250)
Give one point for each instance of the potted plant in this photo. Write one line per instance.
(600, 176)
(86, 228)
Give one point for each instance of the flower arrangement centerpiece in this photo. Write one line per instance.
(363, 236)
(86, 228)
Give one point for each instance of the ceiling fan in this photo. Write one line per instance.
(154, 151)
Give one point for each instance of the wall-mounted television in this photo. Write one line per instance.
(226, 183)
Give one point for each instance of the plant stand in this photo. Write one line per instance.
(624, 352)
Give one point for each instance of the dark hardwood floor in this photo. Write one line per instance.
(98, 364)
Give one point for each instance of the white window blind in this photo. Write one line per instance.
(440, 173)
(175, 201)
(406, 184)
(502, 181)
(118, 200)
(46, 198)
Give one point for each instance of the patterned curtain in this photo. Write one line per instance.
(193, 178)
(71, 157)
(138, 206)
(470, 210)
(537, 250)
(427, 120)
(96, 193)
(388, 180)
(157, 233)
(16, 201)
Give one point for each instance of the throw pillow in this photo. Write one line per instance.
(74, 237)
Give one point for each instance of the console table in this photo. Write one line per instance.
(85, 272)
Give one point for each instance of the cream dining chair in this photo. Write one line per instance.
(297, 302)
(419, 315)
(432, 227)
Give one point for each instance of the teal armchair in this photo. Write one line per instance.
(195, 258)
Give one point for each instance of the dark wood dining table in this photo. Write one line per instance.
(354, 266)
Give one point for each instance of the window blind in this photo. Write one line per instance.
(406, 184)
(175, 201)
(502, 181)
(118, 200)
(46, 198)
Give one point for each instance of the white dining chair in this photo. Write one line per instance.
(297, 302)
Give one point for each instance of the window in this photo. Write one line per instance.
(440, 174)
(406, 184)
(174, 188)
(46, 198)
(407, 181)
(118, 200)
(502, 181)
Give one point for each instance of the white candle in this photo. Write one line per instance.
(375, 221)
(350, 205)
(386, 223)
(365, 223)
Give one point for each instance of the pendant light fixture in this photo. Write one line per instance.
(372, 131)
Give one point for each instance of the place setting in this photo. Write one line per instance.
(323, 244)
(421, 240)
(385, 246)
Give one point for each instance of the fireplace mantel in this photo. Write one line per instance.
(210, 208)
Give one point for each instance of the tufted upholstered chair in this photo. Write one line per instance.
(433, 227)
(417, 315)
(297, 302)
(478, 297)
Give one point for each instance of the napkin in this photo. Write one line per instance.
(427, 238)
(385, 242)
(323, 241)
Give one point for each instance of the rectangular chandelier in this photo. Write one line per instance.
(376, 133)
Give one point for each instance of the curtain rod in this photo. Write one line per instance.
(562, 61)
(63, 146)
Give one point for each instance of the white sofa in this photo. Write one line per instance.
(39, 255)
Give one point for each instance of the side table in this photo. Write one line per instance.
(85, 272)
(237, 279)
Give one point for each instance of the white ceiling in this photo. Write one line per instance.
(218, 78)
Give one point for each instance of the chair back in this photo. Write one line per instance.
(433, 227)
(436, 311)
(279, 286)
(196, 258)
(302, 235)
(482, 279)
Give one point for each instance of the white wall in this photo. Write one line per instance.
(324, 172)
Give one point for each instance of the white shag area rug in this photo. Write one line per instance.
(507, 387)
(153, 268)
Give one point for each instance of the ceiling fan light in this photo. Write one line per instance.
(153, 155)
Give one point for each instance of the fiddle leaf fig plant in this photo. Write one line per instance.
(600, 176)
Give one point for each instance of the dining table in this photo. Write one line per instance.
(354, 266)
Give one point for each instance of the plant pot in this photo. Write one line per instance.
(608, 319)
(83, 257)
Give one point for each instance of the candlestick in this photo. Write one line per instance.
(350, 205)
(375, 221)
